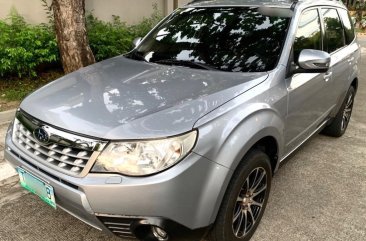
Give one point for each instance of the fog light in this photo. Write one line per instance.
(159, 233)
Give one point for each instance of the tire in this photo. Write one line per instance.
(340, 122)
(235, 208)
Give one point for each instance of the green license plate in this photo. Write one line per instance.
(37, 187)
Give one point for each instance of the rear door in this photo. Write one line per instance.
(310, 98)
(336, 45)
(346, 58)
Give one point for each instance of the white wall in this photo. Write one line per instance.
(130, 11)
(169, 5)
(32, 10)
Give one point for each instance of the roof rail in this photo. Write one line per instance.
(194, 1)
(294, 1)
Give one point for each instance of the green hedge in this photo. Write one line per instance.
(109, 39)
(25, 48)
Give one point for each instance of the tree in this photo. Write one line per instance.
(72, 40)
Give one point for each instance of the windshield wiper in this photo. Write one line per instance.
(186, 63)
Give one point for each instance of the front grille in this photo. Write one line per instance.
(68, 159)
(44, 172)
(119, 226)
(67, 153)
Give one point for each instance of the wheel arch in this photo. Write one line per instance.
(270, 147)
(255, 135)
(341, 97)
(269, 144)
(355, 84)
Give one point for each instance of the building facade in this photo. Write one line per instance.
(130, 11)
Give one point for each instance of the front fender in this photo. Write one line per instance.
(227, 139)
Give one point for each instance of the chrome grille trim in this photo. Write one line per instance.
(67, 153)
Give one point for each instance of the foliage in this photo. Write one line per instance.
(109, 39)
(24, 48)
(146, 24)
(363, 22)
(354, 5)
(27, 48)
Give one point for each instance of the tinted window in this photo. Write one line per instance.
(334, 34)
(228, 39)
(308, 35)
(347, 24)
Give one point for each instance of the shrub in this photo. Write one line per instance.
(109, 39)
(146, 24)
(25, 47)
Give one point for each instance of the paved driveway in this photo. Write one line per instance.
(318, 194)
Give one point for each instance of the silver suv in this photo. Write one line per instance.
(179, 138)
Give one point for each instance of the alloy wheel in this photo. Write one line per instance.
(347, 112)
(249, 202)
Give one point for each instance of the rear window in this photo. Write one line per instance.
(348, 26)
(236, 39)
(334, 33)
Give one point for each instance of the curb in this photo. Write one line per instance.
(7, 116)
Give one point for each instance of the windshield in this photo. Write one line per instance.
(228, 39)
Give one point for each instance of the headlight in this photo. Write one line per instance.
(139, 158)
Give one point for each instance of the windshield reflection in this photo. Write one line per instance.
(228, 39)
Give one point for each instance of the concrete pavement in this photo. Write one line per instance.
(5, 116)
(318, 194)
(5, 170)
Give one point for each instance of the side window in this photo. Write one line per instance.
(308, 35)
(334, 34)
(348, 26)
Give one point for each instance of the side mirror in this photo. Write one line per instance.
(313, 61)
(137, 41)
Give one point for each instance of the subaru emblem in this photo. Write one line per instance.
(41, 135)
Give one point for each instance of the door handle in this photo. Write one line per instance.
(327, 76)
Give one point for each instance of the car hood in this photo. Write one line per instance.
(122, 98)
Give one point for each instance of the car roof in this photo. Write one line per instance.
(272, 3)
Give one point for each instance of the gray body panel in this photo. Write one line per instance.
(121, 99)
(183, 189)
(126, 99)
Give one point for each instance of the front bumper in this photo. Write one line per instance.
(183, 200)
